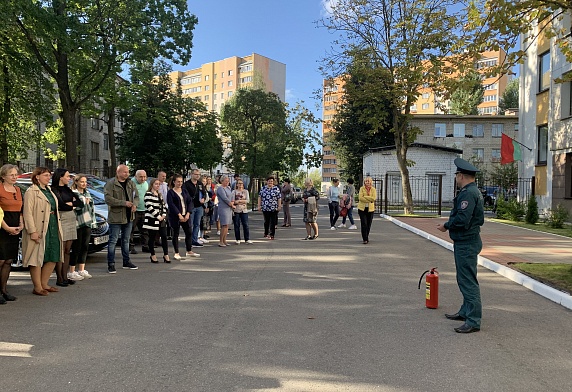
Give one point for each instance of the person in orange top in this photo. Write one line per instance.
(366, 207)
(11, 203)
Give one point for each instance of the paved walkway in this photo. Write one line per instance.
(505, 244)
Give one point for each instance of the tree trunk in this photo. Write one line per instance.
(111, 136)
(401, 144)
(5, 116)
(69, 116)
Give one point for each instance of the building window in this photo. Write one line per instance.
(105, 141)
(230, 83)
(222, 74)
(497, 130)
(488, 110)
(478, 130)
(479, 154)
(490, 98)
(425, 95)
(206, 78)
(413, 108)
(95, 123)
(94, 151)
(247, 79)
(246, 68)
(230, 94)
(222, 85)
(207, 106)
(425, 106)
(544, 71)
(214, 106)
(566, 98)
(493, 86)
(221, 95)
(568, 176)
(214, 86)
(440, 130)
(495, 155)
(206, 98)
(542, 144)
(459, 130)
(230, 73)
(516, 127)
(207, 87)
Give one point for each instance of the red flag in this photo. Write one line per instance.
(506, 150)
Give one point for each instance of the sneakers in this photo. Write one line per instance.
(193, 254)
(198, 244)
(130, 266)
(249, 242)
(85, 274)
(74, 276)
(237, 242)
(333, 228)
(353, 227)
(218, 232)
(178, 257)
(203, 241)
(111, 269)
(341, 225)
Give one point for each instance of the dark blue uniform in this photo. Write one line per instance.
(464, 227)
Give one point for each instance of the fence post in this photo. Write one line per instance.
(440, 195)
(385, 190)
(533, 186)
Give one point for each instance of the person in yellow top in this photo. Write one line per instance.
(366, 207)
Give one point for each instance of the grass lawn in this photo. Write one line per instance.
(566, 231)
(555, 275)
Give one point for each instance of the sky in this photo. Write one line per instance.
(283, 30)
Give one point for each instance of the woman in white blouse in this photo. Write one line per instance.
(241, 198)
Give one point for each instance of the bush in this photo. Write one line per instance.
(531, 210)
(512, 209)
(555, 218)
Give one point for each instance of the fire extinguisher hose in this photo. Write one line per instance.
(421, 278)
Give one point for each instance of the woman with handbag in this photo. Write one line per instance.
(156, 220)
(348, 203)
(85, 220)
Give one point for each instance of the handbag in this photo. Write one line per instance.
(343, 212)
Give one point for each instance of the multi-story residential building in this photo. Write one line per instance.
(333, 93)
(546, 116)
(93, 148)
(216, 82)
(430, 103)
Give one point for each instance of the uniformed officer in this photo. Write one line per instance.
(464, 225)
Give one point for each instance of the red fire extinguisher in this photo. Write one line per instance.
(431, 288)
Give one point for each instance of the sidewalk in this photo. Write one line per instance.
(504, 244)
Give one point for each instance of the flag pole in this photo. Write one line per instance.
(514, 140)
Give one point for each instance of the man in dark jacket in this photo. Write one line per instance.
(464, 225)
(121, 198)
(197, 191)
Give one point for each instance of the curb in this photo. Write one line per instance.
(548, 292)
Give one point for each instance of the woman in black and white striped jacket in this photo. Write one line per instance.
(156, 219)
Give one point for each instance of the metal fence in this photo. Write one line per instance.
(430, 196)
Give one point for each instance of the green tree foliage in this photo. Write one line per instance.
(163, 131)
(531, 210)
(409, 40)
(505, 176)
(83, 43)
(510, 97)
(265, 136)
(494, 24)
(353, 133)
(467, 94)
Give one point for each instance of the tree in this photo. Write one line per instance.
(467, 94)
(353, 135)
(164, 131)
(510, 97)
(83, 43)
(494, 24)
(407, 39)
(262, 139)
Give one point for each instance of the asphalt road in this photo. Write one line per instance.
(284, 315)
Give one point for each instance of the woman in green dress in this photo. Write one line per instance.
(42, 238)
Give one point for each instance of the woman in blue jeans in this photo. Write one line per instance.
(241, 198)
(334, 202)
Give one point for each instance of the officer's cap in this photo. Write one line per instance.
(465, 167)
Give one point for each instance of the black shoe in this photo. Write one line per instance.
(111, 269)
(2, 301)
(455, 316)
(197, 244)
(133, 251)
(309, 238)
(465, 328)
(206, 237)
(62, 284)
(8, 297)
(69, 282)
(152, 261)
(165, 260)
(145, 249)
(130, 266)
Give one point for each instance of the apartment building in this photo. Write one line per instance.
(428, 103)
(216, 82)
(431, 103)
(546, 116)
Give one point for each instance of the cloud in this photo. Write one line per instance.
(328, 6)
(290, 95)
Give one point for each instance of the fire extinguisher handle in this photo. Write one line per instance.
(421, 278)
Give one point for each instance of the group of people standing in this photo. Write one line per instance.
(54, 223)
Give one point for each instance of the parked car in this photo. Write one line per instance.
(296, 195)
(99, 235)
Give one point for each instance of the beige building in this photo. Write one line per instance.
(214, 83)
